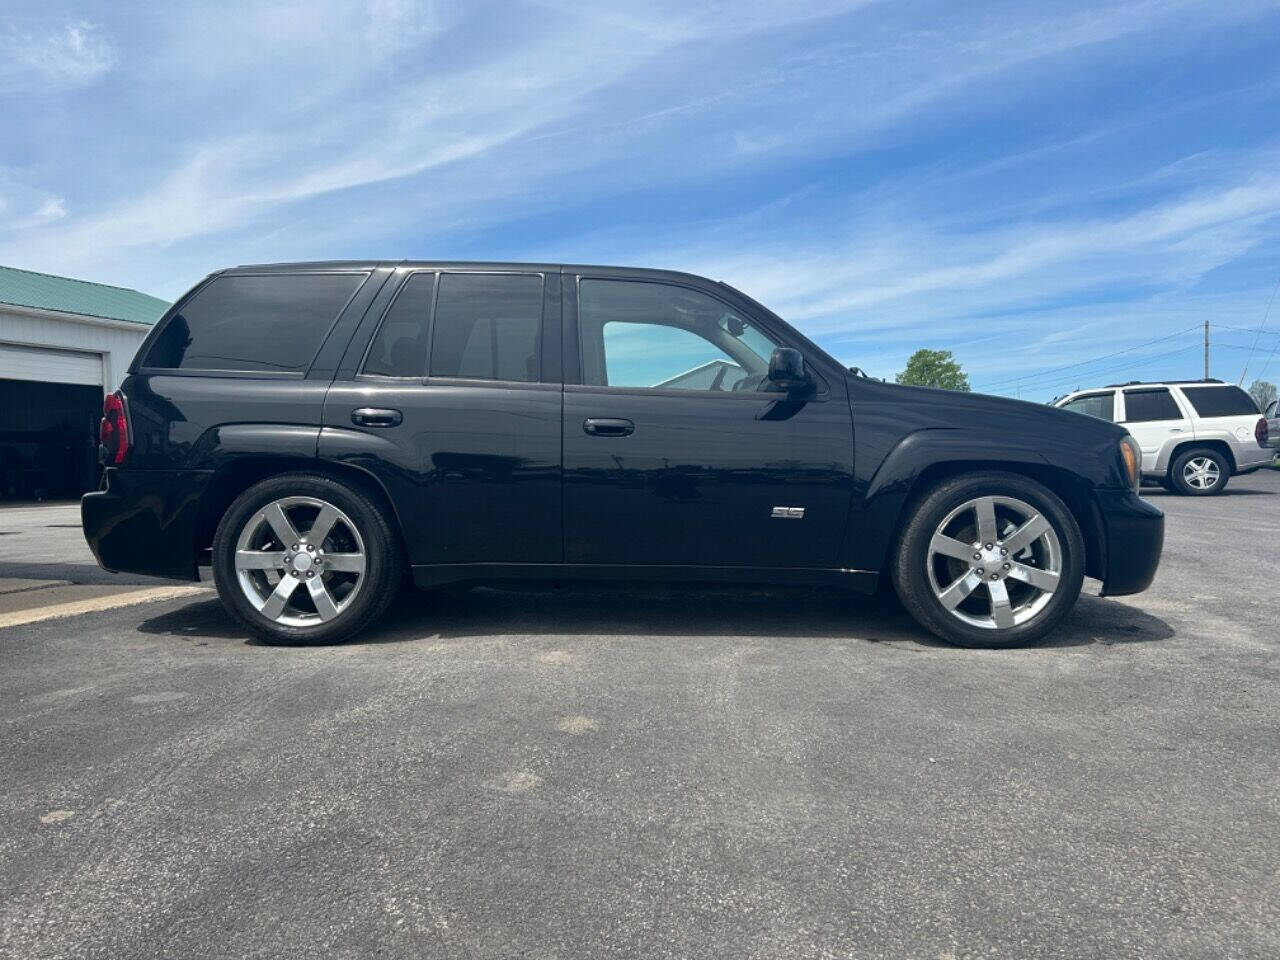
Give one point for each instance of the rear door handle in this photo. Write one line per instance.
(608, 427)
(376, 417)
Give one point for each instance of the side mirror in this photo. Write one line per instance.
(1271, 408)
(786, 369)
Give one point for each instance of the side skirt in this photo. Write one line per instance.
(427, 576)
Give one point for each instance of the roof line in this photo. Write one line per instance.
(95, 283)
(77, 313)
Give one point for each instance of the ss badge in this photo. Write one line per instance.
(788, 513)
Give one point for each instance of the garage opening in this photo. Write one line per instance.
(48, 439)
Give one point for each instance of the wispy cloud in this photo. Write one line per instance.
(68, 55)
(886, 174)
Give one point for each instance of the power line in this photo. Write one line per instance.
(1084, 363)
(1249, 358)
(1128, 365)
(1257, 330)
(1270, 357)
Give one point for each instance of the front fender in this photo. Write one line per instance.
(878, 507)
(918, 451)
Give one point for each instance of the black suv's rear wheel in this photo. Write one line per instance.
(1199, 472)
(302, 558)
(989, 560)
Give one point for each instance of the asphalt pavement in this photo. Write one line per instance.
(653, 773)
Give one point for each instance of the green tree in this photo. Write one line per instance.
(1263, 392)
(934, 368)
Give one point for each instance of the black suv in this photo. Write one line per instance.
(318, 431)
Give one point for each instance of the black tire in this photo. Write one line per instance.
(1177, 472)
(380, 580)
(910, 564)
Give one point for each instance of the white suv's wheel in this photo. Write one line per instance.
(1200, 472)
(302, 558)
(989, 560)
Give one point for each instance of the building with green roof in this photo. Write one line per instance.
(63, 344)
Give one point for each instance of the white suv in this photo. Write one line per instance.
(1194, 434)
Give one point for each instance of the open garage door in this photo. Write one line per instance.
(48, 437)
(45, 365)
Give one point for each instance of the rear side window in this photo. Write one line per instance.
(400, 348)
(488, 327)
(274, 322)
(1144, 406)
(1226, 401)
(1100, 405)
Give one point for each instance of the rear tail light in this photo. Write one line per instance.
(113, 431)
(1260, 431)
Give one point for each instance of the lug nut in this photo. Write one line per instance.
(977, 556)
(981, 571)
(988, 546)
(995, 576)
(1004, 552)
(311, 573)
(1006, 566)
(310, 548)
(294, 547)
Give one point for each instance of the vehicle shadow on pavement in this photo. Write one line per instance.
(1159, 493)
(782, 614)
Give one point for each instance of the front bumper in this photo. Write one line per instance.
(1134, 532)
(144, 521)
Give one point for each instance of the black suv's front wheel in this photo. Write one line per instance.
(302, 558)
(989, 560)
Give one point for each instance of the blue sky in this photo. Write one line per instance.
(1028, 185)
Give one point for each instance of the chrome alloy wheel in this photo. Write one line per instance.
(1201, 473)
(1003, 545)
(300, 542)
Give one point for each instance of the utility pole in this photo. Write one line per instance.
(1206, 349)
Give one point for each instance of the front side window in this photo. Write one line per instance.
(488, 327)
(1100, 405)
(1225, 401)
(1146, 406)
(400, 348)
(659, 336)
(245, 322)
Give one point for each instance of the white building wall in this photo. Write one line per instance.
(115, 341)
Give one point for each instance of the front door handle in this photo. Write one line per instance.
(608, 427)
(376, 417)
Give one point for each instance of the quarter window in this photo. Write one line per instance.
(254, 322)
(488, 327)
(655, 335)
(1224, 401)
(400, 348)
(1100, 405)
(1145, 406)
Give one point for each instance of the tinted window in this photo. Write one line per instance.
(400, 348)
(1100, 405)
(254, 323)
(487, 327)
(1142, 406)
(638, 334)
(1220, 401)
